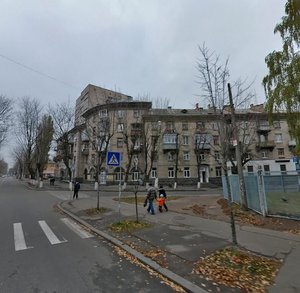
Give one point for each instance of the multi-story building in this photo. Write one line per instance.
(181, 146)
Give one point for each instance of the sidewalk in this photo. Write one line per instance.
(90, 186)
(184, 239)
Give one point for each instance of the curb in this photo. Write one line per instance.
(185, 284)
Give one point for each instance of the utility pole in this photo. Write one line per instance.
(237, 153)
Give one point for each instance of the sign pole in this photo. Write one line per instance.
(120, 195)
(114, 159)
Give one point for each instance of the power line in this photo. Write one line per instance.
(37, 71)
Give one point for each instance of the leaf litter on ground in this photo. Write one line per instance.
(238, 268)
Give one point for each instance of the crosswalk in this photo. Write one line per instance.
(20, 240)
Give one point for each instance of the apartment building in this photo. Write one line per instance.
(172, 146)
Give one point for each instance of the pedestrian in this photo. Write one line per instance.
(160, 202)
(76, 189)
(161, 191)
(52, 180)
(151, 196)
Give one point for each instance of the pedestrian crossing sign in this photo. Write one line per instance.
(113, 159)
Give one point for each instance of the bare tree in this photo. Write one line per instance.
(3, 167)
(202, 142)
(5, 117)
(42, 145)
(151, 137)
(63, 122)
(28, 117)
(213, 80)
(99, 137)
(19, 156)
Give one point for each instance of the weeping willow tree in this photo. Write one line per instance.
(282, 84)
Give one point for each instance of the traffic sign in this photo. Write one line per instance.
(113, 159)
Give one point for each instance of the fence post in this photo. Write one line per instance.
(261, 193)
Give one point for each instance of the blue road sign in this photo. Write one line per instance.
(113, 159)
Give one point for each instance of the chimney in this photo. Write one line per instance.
(197, 106)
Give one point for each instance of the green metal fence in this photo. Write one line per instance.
(276, 195)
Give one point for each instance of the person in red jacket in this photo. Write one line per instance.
(161, 201)
(163, 192)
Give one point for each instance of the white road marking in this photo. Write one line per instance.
(49, 233)
(20, 243)
(76, 228)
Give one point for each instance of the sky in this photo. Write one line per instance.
(52, 49)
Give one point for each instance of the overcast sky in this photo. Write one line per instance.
(137, 47)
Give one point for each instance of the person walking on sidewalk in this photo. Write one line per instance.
(151, 196)
(76, 189)
(161, 191)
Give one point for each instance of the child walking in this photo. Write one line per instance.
(161, 191)
(161, 202)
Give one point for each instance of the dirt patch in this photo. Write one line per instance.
(216, 207)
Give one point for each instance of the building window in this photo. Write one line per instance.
(170, 138)
(217, 156)
(119, 176)
(185, 140)
(103, 113)
(281, 152)
(216, 140)
(215, 126)
(262, 138)
(153, 173)
(120, 113)
(136, 113)
(244, 124)
(264, 154)
(171, 156)
(186, 156)
(250, 169)
(171, 172)
(120, 127)
(247, 139)
(218, 171)
(186, 172)
(154, 125)
(276, 124)
(170, 126)
(202, 156)
(93, 159)
(120, 142)
(185, 126)
(267, 169)
(135, 175)
(278, 138)
(283, 169)
(200, 125)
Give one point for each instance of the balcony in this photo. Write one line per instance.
(292, 143)
(85, 152)
(136, 132)
(263, 128)
(202, 146)
(169, 146)
(268, 144)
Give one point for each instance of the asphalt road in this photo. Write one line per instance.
(42, 250)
